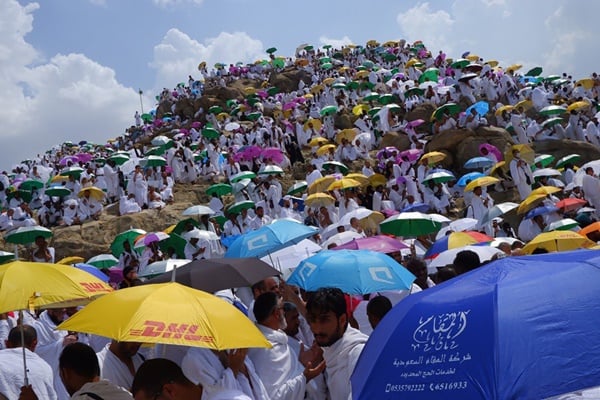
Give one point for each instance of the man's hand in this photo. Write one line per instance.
(310, 373)
(27, 393)
(235, 359)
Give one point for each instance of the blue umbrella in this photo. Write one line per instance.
(481, 107)
(90, 269)
(479, 162)
(420, 207)
(540, 211)
(466, 178)
(518, 328)
(269, 238)
(352, 271)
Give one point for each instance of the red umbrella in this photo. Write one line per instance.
(571, 204)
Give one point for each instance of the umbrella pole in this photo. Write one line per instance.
(16, 252)
(173, 272)
(25, 379)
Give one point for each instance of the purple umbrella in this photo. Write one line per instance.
(415, 123)
(289, 106)
(84, 157)
(386, 152)
(250, 152)
(68, 159)
(272, 153)
(115, 275)
(379, 243)
(411, 155)
(196, 124)
(486, 148)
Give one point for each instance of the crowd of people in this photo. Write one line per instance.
(350, 185)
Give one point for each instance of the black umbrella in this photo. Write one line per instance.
(217, 274)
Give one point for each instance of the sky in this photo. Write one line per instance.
(71, 70)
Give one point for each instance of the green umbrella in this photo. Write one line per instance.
(367, 85)
(278, 63)
(338, 55)
(242, 175)
(393, 107)
(219, 188)
(551, 78)
(570, 159)
(448, 108)
(386, 99)
(534, 71)
(119, 159)
(210, 133)
(429, 75)
(116, 247)
(57, 191)
(353, 85)
(30, 184)
(6, 256)
(215, 110)
(390, 57)
(176, 242)
(237, 208)
(271, 170)
(328, 110)
(311, 48)
(332, 165)
(368, 64)
(544, 160)
(326, 47)
(460, 63)
(373, 111)
(439, 177)
(271, 50)
(219, 219)
(410, 224)
(182, 225)
(414, 91)
(371, 96)
(553, 110)
(25, 195)
(254, 116)
(339, 85)
(147, 118)
(231, 103)
(100, 161)
(103, 261)
(153, 161)
(326, 66)
(550, 122)
(272, 91)
(72, 171)
(154, 151)
(297, 187)
(324, 60)
(27, 234)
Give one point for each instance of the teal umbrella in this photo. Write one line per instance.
(328, 110)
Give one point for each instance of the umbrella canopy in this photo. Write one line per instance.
(410, 224)
(220, 189)
(530, 202)
(337, 239)
(544, 160)
(491, 334)
(497, 211)
(328, 110)
(242, 175)
(448, 108)
(317, 200)
(160, 267)
(570, 204)
(27, 285)
(333, 165)
(218, 274)
(27, 234)
(569, 159)
(439, 177)
(352, 271)
(90, 269)
(321, 184)
(149, 238)
(95, 193)
(197, 210)
(343, 184)
(57, 191)
(103, 261)
(486, 148)
(565, 224)
(593, 227)
(482, 181)
(553, 110)
(70, 260)
(557, 241)
(433, 157)
(269, 238)
(481, 108)
(479, 162)
(30, 184)
(237, 208)
(466, 178)
(271, 170)
(485, 253)
(538, 173)
(454, 240)
(297, 187)
(379, 243)
(130, 235)
(151, 313)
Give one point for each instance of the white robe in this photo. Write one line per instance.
(278, 367)
(203, 367)
(49, 347)
(114, 370)
(341, 357)
(520, 176)
(102, 388)
(39, 374)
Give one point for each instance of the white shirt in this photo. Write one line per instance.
(114, 370)
(39, 373)
(102, 388)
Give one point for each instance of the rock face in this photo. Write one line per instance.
(396, 139)
(288, 80)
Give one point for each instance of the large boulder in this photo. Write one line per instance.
(396, 139)
(287, 81)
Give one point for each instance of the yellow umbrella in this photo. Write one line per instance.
(373, 43)
(316, 89)
(433, 157)
(249, 90)
(317, 200)
(371, 223)
(483, 181)
(525, 104)
(222, 116)
(202, 65)
(545, 190)
(530, 202)
(318, 141)
(412, 62)
(325, 149)
(60, 178)
(501, 109)
(578, 105)
(277, 114)
(390, 43)
(526, 152)
(95, 193)
(514, 67)
(314, 122)
(364, 180)
(348, 134)
(587, 83)
(492, 63)
(167, 313)
(321, 184)
(301, 62)
(30, 285)
(472, 57)
(71, 260)
(308, 96)
(361, 74)
(558, 241)
(360, 109)
(377, 180)
(343, 184)
(328, 81)
(494, 169)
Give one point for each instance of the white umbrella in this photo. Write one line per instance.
(198, 210)
(200, 234)
(498, 210)
(160, 267)
(546, 172)
(232, 126)
(287, 259)
(447, 257)
(160, 140)
(271, 170)
(358, 213)
(341, 238)
(460, 225)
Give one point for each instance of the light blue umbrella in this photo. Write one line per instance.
(479, 162)
(481, 107)
(352, 271)
(466, 178)
(269, 238)
(509, 330)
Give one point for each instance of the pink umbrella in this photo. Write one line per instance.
(196, 124)
(263, 94)
(415, 123)
(150, 238)
(84, 157)
(300, 99)
(379, 243)
(272, 153)
(250, 152)
(289, 106)
(411, 155)
(486, 148)
(386, 152)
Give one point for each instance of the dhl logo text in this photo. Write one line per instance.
(155, 329)
(95, 287)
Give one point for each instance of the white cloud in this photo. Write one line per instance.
(558, 36)
(178, 55)
(336, 43)
(68, 97)
(171, 3)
